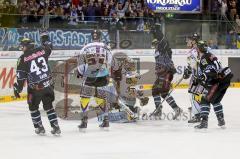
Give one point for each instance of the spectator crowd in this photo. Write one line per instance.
(108, 12)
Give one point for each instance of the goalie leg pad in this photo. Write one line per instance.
(84, 103)
(195, 102)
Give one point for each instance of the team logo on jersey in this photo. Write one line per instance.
(34, 55)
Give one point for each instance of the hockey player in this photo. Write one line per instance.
(33, 67)
(192, 69)
(125, 77)
(216, 79)
(164, 71)
(94, 66)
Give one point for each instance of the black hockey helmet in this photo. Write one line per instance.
(96, 35)
(26, 42)
(202, 46)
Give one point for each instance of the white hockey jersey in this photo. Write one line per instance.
(192, 58)
(95, 60)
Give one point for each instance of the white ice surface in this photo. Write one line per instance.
(142, 140)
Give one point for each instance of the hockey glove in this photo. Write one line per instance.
(187, 72)
(45, 38)
(203, 78)
(144, 101)
(16, 91)
(79, 75)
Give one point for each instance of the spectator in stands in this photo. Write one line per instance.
(105, 19)
(98, 10)
(115, 23)
(224, 7)
(238, 7)
(215, 5)
(237, 20)
(238, 38)
(75, 2)
(32, 11)
(91, 12)
(24, 11)
(73, 16)
(233, 10)
(212, 44)
(120, 10)
(231, 39)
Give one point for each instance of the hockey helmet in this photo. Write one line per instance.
(154, 43)
(26, 42)
(195, 37)
(202, 46)
(96, 35)
(132, 78)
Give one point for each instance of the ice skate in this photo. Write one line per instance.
(221, 122)
(105, 124)
(158, 112)
(178, 111)
(56, 129)
(40, 130)
(203, 125)
(195, 119)
(83, 126)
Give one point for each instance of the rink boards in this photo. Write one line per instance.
(143, 58)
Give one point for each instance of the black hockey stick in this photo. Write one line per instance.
(169, 93)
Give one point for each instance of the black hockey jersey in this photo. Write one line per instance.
(33, 67)
(211, 70)
(163, 54)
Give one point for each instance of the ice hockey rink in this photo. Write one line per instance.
(146, 139)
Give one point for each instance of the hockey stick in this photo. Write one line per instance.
(169, 93)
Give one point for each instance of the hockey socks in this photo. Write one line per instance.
(52, 116)
(218, 108)
(157, 101)
(37, 122)
(36, 118)
(171, 102)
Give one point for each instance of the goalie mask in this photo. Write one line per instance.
(132, 78)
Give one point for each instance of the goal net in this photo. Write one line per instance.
(67, 88)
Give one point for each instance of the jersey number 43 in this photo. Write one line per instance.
(35, 66)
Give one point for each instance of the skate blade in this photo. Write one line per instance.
(56, 134)
(223, 127)
(105, 128)
(41, 134)
(83, 130)
(192, 123)
(203, 130)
